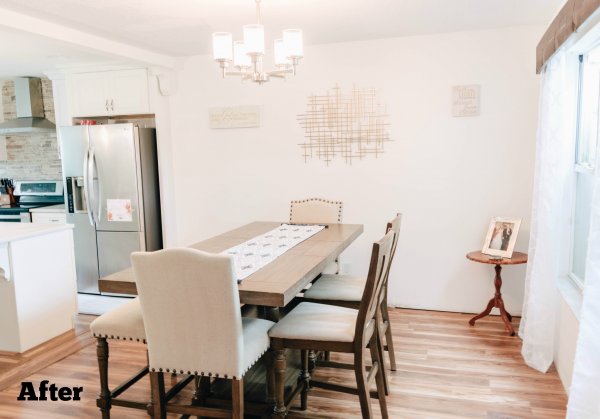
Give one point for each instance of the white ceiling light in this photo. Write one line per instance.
(247, 55)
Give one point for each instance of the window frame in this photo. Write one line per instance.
(579, 168)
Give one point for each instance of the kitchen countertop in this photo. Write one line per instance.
(52, 208)
(18, 231)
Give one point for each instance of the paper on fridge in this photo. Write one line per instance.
(118, 210)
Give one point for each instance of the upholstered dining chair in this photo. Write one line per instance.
(347, 291)
(317, 211)
(322, 327)
(125, 323)
(191, 309)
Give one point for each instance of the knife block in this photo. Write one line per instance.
(13, 200)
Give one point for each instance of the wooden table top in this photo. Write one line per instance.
(516, 259)
(275, 284)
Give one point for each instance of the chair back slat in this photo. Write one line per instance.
(190, 304)
(394, 227)
(315, 211)
(380, 258)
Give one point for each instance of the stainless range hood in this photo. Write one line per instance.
(30, 109)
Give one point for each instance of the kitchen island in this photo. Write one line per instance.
(38, 291)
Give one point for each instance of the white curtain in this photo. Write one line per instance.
(584, 400)
(552, 178)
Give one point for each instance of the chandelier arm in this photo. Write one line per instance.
(280, 73)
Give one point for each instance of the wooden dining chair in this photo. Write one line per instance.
(122, 323)
(191, 309)
(317, 211)
(347, 291)
(322, 327)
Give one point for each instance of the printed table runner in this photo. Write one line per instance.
(259, 251)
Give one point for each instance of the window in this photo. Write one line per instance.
(585, 159)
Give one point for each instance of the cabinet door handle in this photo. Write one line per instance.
(106, 105)
(112, 104)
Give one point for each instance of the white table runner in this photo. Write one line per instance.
(259, 251)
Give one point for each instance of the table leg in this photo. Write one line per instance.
(497, 302)
(272, 313)
(484, 313)
(505, 318)
(279, 411)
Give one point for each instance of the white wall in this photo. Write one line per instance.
(448, 176)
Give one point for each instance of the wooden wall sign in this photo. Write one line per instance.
(234, 117)
(465, 100)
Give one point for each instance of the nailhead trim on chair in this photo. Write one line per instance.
(119, 337)
(338, 203)
(210, 374)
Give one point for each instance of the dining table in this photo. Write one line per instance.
(269, 293)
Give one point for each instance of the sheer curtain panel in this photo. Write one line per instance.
(584, 400)
(553, 167)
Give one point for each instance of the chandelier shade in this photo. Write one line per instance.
(222, 46)
(292, 40)
(254, 39)
(240, 58)
(279, 53)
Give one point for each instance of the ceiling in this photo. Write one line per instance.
(25, 54)
(183, 27)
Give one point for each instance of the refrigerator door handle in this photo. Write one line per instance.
(91, 187)
(86, 193)
(99, 193)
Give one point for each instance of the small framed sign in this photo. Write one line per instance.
(234, 117)
(465, 100)
(501, 237)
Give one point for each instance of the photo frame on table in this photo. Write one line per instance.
(501, 237)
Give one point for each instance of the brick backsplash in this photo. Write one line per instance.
(31, 156)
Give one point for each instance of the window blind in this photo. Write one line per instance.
(573, 14)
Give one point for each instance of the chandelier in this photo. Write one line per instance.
(247, 55)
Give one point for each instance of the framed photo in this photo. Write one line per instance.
(501, 237)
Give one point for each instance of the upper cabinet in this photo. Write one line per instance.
(123, 92)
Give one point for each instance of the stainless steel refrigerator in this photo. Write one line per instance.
(111, 195)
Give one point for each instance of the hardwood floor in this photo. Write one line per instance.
(446, 369)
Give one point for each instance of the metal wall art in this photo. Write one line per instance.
(344, 126)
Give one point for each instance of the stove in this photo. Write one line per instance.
(31, 194)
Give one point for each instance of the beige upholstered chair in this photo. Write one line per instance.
(191, 310)
(124, 322)
(321, 327)
(347, 291)
(317, 211)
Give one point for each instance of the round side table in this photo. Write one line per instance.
(496, 301)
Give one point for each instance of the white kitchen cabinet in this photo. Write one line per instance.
(38, 289)
(48, 217)
(106, 93)
(54, 214)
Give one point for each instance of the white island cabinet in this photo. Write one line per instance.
(38, 291)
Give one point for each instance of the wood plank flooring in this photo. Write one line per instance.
(446, 369)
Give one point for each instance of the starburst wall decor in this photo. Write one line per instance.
(344, 126)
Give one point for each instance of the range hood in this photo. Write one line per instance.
(30, 109)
